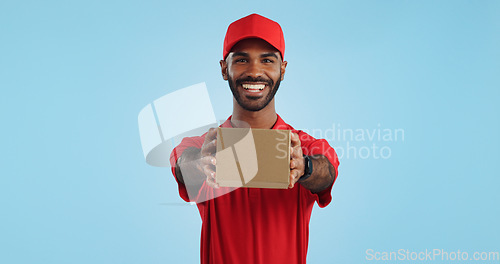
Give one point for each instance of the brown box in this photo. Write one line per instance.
(258, 158)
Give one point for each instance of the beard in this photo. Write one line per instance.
(253, 104)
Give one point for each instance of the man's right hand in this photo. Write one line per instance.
(207, 157)
(196, 166)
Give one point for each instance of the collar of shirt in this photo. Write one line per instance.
(280, 124)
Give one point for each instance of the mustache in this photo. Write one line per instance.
(250, 79)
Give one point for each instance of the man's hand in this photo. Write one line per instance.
(207, 157)
(196, 166)
(323, 174)
(297, 165)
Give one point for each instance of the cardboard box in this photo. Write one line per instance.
(258, 158)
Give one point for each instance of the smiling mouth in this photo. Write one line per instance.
(253, 87)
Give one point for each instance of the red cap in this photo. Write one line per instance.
(254, 26)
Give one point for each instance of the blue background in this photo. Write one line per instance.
(75, 187)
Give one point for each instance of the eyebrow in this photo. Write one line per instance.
(240, 53)
(245, 54)
(269, 54)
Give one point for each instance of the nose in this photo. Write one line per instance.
(254, 70)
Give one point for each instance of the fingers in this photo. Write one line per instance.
(295, 146)
(296, 153)
(297, 163)
(294, 177)
(295, 140)
(208, 160)
(296, 160)
(209, 146)
(208, 167)
(211, 134)
(211, 180)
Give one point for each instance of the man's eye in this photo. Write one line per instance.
(267, 61)
(241, 60)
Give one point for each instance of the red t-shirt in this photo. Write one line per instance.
(252, 225)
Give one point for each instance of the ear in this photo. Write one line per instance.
(223, 68)
(283, 67)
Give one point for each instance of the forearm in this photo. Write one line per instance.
(187, 169)
(323, 174)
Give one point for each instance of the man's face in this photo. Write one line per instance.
(254, 71)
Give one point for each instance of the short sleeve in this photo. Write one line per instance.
(188, 142)
(321, 146)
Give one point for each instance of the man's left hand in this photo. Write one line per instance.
(297, 165)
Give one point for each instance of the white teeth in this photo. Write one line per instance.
(253, 86)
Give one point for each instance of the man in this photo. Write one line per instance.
(252, 225)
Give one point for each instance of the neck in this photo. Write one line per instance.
(264, 118)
